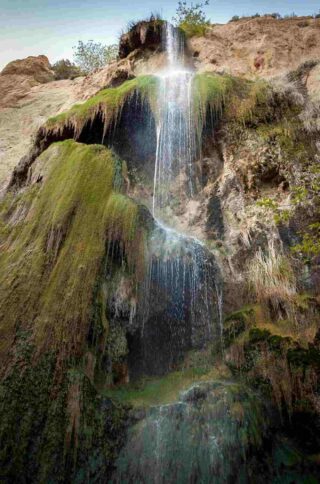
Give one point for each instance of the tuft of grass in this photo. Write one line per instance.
(55, 243)
(272, 278)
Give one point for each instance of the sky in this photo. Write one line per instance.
(53, 27)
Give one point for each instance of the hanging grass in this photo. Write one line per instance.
(54, 244)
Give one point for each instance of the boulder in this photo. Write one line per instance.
(19, 76)
(37, 67)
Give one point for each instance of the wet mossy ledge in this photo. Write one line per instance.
(54, 237)
(107, 104)
(216, 98)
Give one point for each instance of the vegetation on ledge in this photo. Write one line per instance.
(108, 104)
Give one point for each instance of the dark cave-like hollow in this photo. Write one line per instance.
(132, 136)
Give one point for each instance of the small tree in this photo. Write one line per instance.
(91, 55)
(191, 17)
(65, 69)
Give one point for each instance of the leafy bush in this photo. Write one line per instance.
(235, 18)
(65, 69)
(92, 55)
(192, 18)
(310, 243)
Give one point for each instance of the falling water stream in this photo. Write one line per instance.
(184, 274)
(178, 262)
(177, 146)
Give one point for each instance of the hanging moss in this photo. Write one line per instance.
(234, 98)
(108, 103)
(52, 255)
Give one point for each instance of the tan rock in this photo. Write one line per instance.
(19, 76)
(257, 47)
(36, 67)
(313, 83)
(19, 123)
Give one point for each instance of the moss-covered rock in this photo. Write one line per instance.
(55, 428)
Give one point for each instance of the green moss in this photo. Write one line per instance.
(210, 93)
(55, 429)
(107, 102)
(238, 100)
(257, 335)
(236, 323)
(304, 357)
(155, 391)
(51, 259)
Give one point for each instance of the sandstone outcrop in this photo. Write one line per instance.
(19, 76)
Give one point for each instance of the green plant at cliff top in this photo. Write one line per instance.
(91, 55)
(51, 258)
(192, 18)
(65, 69)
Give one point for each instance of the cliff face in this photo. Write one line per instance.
(112, 325)
(258, 47)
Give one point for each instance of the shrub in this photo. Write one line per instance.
(235, 18)
(309, 247)
(65, 69)
(192, 18)
(91, 55)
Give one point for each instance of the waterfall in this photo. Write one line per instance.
(177, 145)
(180, 265)
(181, 306)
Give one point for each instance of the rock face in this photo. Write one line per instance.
(257, 47)
(19, 123)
